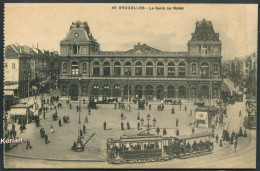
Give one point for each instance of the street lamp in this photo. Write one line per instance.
(79, 146)
(29, 76)
(142, 122)
(154, 122)
(148, 119)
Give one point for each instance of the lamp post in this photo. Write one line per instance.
(142, 122)
(29, 76)
(148, 119)
(79, 146)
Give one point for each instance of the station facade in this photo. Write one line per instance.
(141, 72)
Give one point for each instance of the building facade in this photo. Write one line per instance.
(141, 72)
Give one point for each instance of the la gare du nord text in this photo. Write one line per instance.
(150, 8)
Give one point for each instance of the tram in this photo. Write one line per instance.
(151, 148)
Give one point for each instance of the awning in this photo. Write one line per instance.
(9, 92)
(225, 88)
(11, 87)
(17, 111)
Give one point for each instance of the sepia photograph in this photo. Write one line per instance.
(130, 85)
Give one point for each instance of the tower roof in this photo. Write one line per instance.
(79, 32)
(204, 32)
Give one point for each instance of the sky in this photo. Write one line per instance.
(120, 29)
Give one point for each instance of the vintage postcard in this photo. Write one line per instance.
(130, 85)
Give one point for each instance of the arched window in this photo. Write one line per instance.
(171, 69)
(106, 68)
(149, 68)
(117, 68)
(193, 69)
(193, 92)
(160, 92)
(171, 92)
(138, 68)
(64, 90)
(215, 69)
(106, 91)
(64, 68)
(127, 90)
(128, 68)
(204, 69)
(149, 92)
(74, 68)
(117, 91)
(182, 69)
(96, 68)
(84, 90)
(138, 91)
(84, 67)
(182, 92)
(160, 69)
(95, 91)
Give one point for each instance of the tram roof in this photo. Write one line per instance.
(195, 135)
(138, 138)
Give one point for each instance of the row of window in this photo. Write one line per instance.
(139, 69)
(149, 91)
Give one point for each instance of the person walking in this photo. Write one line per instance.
(138, 126)
(86, 119)
(192, 130)
(84, 129)
(60, 123)
(105, 125)
(46, 138)
(217, 138)
(89, 111)
(190, 112)
(235, 146)
(28, 144)
(185, 108)
(164, 132)
(173, 111)
(70, 106)
(122, 126)
(157, 130)
(128, 125)
(177, 132)
(52, 130)
(177, 122)
(122, 116)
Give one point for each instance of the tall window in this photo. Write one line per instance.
(76, 49)
(117, 69)
(160, 69)
(138, 68)
(193, 69)
(171, 69)
(74, 68)
(149, 68)
(128, 68)
(149, 92)
(117, 91)
(215, 69)
(182, 69)
(64, 67)
(106, 90)
(95, 90)
(204, 69)
(96, 68)
(171, 92)
(84, 90)
(64, 90)
(204, 50)
(106, 68)
(84, 67)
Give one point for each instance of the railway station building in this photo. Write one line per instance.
(141, 72)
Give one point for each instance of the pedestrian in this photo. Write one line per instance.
(190, 112)
(177, 132)
(217, 138)
(46, 138)
(180, 107)
(89, 110)
(128, 125)
(138, 126)
(157, 130)
(220, 142)
(164, 132)
(146, 103)
(122, 116)
(185, 108)
(122, 126)
(84, 129)
(192, 130)
(52, 130)
(245, 134)
(70, 106)
(173, 111)
(13, 127)
(44, 114)
(240, 113)
(138, 116)
(177, 122)
(60, 123)
(21, 129)
(28, 144)
(105, 125)
(77, 107)
(74, 146)
(235, 146)
(150, 107)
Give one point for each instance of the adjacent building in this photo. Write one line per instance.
(141, 72)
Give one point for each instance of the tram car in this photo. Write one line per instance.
(152, 148)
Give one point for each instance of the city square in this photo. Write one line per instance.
(191, 104)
